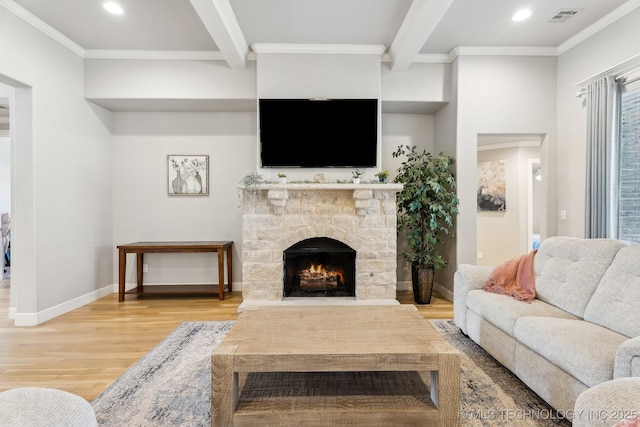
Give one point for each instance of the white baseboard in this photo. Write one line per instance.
(444, 292)
(437, 287)
(32, 319)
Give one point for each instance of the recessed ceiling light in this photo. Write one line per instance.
(113, 7)
(521, 15)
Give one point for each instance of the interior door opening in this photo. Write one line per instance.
(510, 172)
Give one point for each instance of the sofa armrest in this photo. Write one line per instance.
(466, 278)
(627, 362)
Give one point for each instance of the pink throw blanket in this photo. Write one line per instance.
(514, 278)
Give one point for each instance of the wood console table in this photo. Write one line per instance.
(141, 248)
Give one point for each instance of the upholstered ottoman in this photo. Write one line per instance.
(608, 403)
(44, 407)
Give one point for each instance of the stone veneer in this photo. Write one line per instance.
(276, 216)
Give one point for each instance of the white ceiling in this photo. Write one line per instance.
(409, 29)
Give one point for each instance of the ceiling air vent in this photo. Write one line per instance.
(564, 15)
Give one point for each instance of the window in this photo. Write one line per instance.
(629, 162)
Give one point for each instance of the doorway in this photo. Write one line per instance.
(22, 294)
(511, 161)
(5, 188)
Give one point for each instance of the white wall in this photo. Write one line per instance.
(404, 129)
(500, 95)
(142, 210)
(446, 132)
(604, 50)
(61, 249)
(107, 79)
(421, 82)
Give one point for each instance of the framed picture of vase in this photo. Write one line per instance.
(188, 174)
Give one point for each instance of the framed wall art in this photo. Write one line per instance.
(188, 174)
(491, 186)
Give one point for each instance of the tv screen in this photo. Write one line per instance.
(310, 133)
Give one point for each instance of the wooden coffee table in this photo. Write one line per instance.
(334, 365)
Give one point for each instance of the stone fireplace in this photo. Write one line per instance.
(288, 221)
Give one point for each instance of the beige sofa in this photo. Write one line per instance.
(582, 329)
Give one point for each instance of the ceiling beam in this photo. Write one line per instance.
(419, 23)
(221, 23)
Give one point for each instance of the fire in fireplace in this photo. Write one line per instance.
(319, 267)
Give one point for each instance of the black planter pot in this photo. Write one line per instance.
(422, 280)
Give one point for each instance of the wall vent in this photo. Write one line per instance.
(563, 15)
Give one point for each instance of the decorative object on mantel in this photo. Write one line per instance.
(383, 176)
(251, 184)
(356, 176)
(427, 205)
(319, 178)
(282, 178)
(187, 175)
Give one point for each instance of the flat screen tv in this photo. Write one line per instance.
(309, 133)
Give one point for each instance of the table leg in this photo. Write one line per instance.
(139, 266)
(445, 389)
(220, 273)
(224, 387)
(122, 270)
(229, 269)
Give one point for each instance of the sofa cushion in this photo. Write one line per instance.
(567, 270)
(502, 311)
(607, 403)
(616, 302)
(582, 349)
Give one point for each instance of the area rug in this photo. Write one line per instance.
(171, 385)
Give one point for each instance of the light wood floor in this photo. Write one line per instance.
(84, 351)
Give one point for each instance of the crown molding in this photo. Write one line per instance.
(425, 58)
(432, 58)
(154, 54)
(502, 50)
(39, 24)
(351, 49)
(599, 25)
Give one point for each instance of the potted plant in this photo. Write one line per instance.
(282, 178)
(427, 205)
(383, 176)
(356, 176)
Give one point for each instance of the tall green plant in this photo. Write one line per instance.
(427, 205)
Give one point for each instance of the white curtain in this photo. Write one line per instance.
(603, 100)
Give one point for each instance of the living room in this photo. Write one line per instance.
(91, 136)
(113, 163)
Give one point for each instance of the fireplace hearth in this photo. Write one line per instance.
(319, 267)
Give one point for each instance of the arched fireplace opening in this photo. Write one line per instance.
(319, 267)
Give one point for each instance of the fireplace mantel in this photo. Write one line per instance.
(277, 216)
(278, 194)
